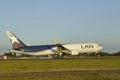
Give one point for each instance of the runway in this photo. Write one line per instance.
(65, 58)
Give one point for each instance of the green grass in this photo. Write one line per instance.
(82, 75)
(11, 66)
(76, 69)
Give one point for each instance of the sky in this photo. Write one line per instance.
(37, 22)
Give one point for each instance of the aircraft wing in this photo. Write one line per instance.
(61, 48)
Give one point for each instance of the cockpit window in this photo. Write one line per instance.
(99, 45)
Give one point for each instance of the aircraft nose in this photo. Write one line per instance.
(100, 47)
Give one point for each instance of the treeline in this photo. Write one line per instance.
(106, 54)
(116, 54)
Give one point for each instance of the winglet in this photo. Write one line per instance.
(56, 41)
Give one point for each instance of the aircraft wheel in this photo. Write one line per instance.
(56, 56)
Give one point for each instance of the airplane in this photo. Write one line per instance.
(57, 50)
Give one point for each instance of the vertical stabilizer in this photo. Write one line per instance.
(16, 42)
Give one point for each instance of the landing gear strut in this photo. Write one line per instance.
(58, 56)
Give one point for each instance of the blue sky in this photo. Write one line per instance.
(71, 21)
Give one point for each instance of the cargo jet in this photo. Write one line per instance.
(56, 50)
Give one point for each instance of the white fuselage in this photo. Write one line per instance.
(84, 48)
(81, 48)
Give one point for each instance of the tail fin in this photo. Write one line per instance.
(16, 42)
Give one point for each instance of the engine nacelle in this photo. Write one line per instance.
(74, 52)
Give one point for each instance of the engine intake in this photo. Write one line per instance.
(74, 52)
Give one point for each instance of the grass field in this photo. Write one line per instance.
(69, 69)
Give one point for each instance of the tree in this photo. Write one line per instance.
(10, 54)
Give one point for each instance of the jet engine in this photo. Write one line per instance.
(74, 52)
